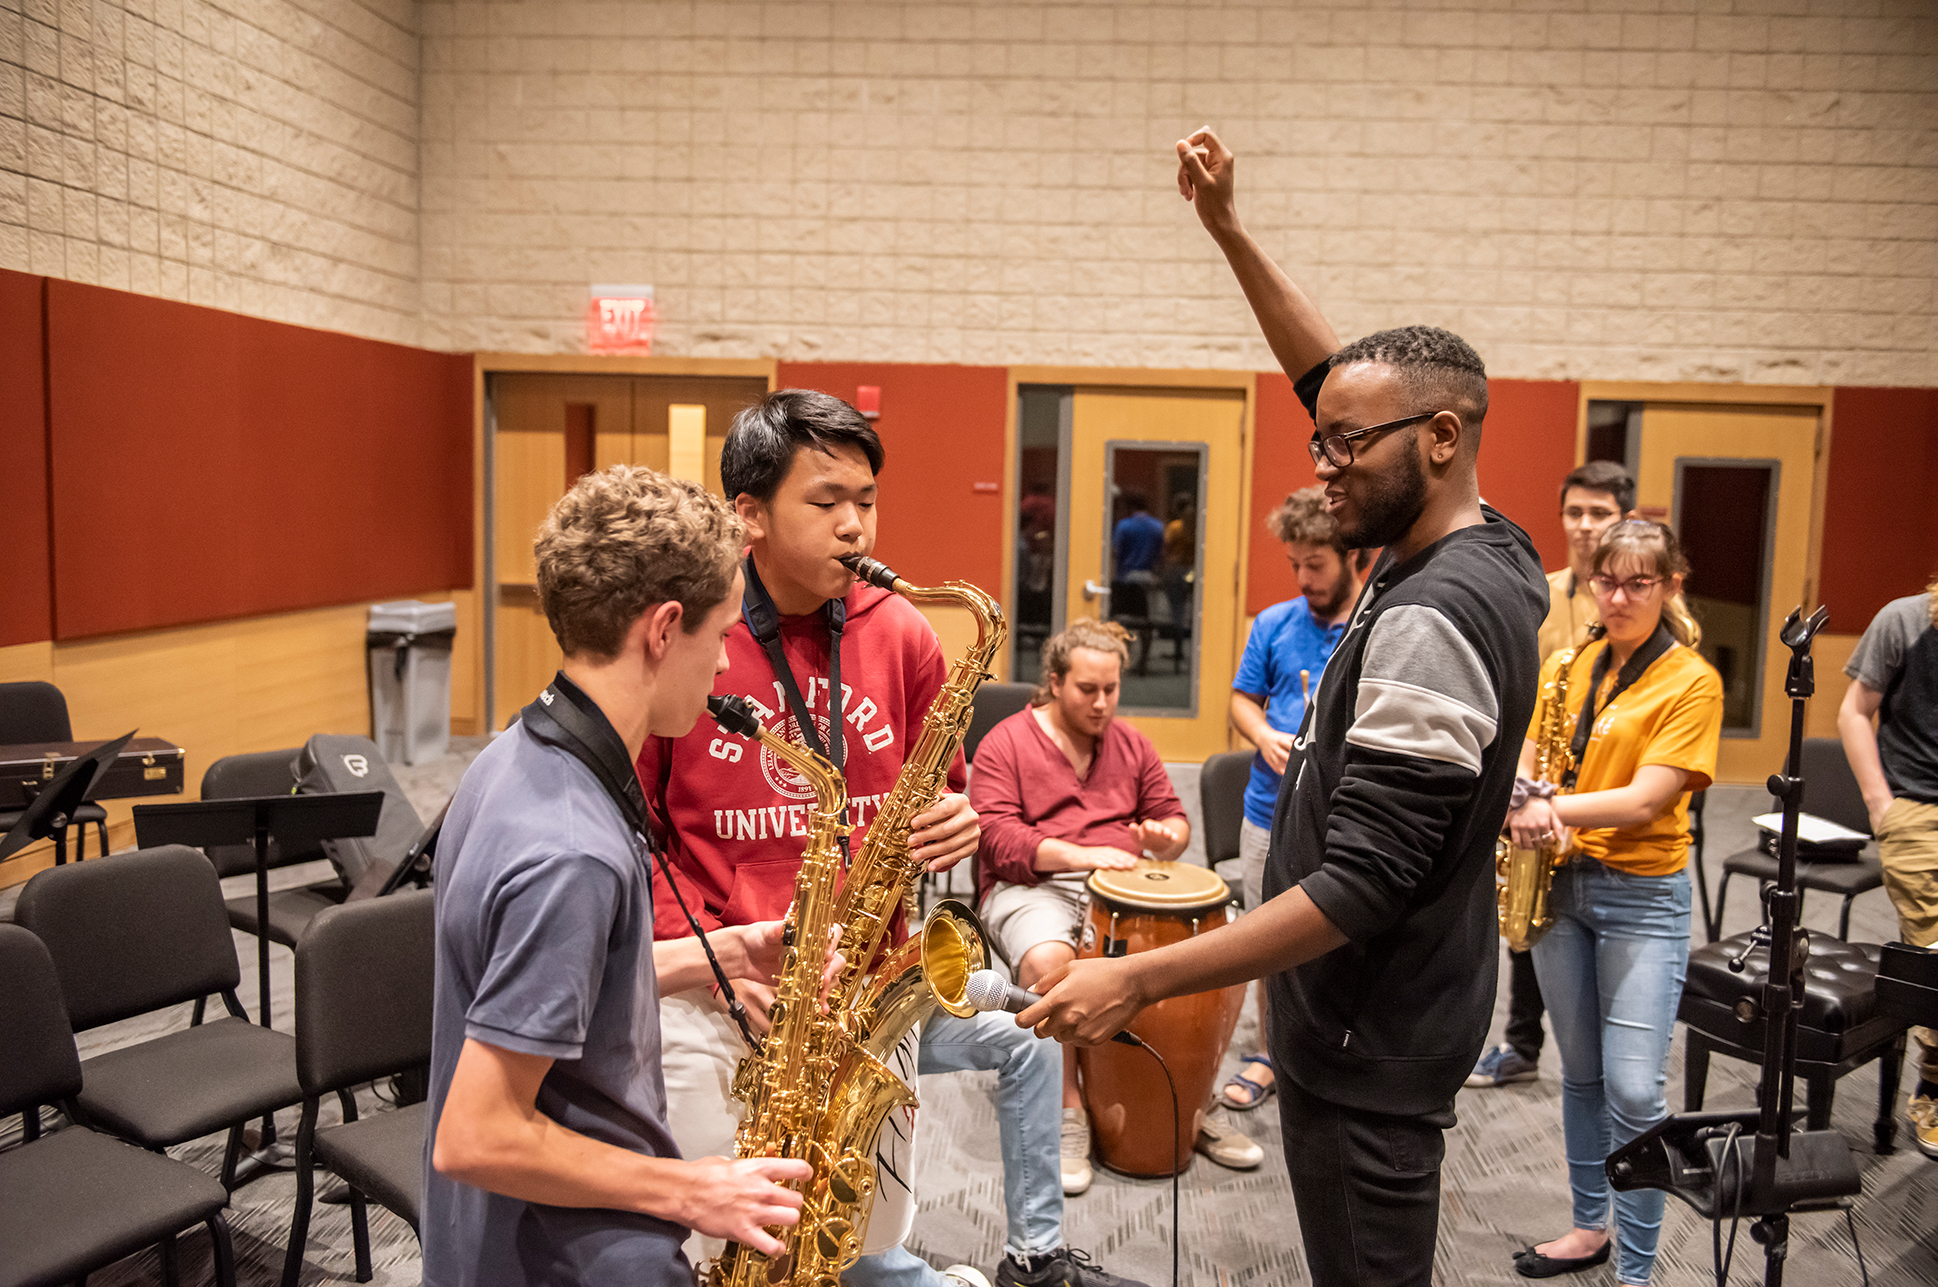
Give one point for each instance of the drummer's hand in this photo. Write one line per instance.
(1085, 1002)
(1164, 838)
(1105, 858)
(946, 834)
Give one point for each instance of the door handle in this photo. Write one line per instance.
(1091, 590)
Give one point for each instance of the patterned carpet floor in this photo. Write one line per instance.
(1504, 1183)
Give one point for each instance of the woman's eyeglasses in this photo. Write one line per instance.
(1338, 447)
(1634, 587)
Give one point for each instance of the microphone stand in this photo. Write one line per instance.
(1783, 983)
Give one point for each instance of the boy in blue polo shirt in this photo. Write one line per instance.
(1284, 656)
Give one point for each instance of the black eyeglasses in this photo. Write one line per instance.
(1338, 447)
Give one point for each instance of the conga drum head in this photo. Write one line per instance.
(1152, 886)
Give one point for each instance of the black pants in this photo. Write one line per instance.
(1367, 1187)
(1524, 1006)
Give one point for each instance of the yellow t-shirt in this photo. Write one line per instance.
(1569, 615)
(1673, 716)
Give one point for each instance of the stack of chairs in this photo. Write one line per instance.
(97, 943)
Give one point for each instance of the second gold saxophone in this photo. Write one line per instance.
(1524, 876)
(821, 1087)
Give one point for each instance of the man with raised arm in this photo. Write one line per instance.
(550, 1158)
(1378, 926)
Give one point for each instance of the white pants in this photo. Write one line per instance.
(700, 1047)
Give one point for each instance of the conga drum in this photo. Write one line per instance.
(1135, 910)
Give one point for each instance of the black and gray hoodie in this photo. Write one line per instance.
(1409, 750)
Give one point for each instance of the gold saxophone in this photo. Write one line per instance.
(821, 1088)
(1523, 876)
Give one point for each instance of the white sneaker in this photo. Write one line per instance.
(967, 1275)
(1226, 1146)
(1075, 1152)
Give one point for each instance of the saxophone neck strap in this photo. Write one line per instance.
(572, 721)
(1639, 661)
(764, 623)
(566, 717)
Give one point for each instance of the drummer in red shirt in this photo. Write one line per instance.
(1063, 789)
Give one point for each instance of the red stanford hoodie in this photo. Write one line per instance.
(731, 815)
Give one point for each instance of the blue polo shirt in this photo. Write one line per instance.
(1286, 638)
(545, 947)
(1137, 544)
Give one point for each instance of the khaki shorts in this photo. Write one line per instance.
(1907, 845)
(1019, 917)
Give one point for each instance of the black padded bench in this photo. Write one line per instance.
(1841, 1027)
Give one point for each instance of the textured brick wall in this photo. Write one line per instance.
(253, 155)
(1656, 189)
(1659, 189)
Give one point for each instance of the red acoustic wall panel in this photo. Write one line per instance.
(26, 608)
(1281, 463)
(1881, 502)
(941, 514)
(1527, 447)
(209, 466)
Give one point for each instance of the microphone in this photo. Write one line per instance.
(987, 991)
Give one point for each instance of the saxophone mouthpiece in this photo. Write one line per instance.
(734, 715)
(873, 571)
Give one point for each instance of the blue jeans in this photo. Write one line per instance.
(1611, 971)
(1029, 1118)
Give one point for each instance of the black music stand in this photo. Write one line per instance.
(296, 821)
(52, 808)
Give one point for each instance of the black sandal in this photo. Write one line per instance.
(1254, 1092)
(1530, 1263)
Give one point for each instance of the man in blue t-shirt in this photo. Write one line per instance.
(1284, 656)
(548, 1157)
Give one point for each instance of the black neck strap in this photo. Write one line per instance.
(1640, 660)
(564, 716)
(757, 607)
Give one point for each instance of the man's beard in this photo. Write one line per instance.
(1393, 504)
(1336, 597)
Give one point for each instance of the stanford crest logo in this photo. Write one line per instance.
(783, 777)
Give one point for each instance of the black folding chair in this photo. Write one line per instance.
(1221, 799)
(241, 777)
(1831, 792)
(363, 1011)
(74, 1201)
(36, 711)
(132, 935)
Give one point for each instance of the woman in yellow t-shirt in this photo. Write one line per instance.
(1612, 967)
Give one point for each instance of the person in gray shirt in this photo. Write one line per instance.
(1894, 679)
(548, 1156)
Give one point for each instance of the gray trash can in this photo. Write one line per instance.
(409, 648)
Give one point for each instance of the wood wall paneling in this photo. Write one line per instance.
(215, 689)
(26, 584)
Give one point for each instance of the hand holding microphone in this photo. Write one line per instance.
(987, 991)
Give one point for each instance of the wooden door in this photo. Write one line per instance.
(551, 428)
(1179, 452)
(1735, 482)
(669, 411)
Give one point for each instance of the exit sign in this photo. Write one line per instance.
(619, 319)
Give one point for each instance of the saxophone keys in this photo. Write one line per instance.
(832, 1238)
